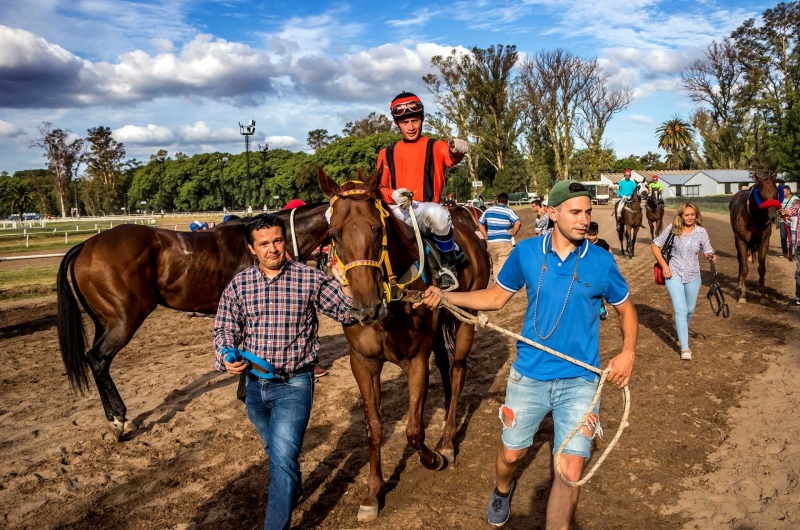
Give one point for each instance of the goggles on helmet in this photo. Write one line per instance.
(409, 107)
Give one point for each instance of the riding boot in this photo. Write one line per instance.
(448, 275)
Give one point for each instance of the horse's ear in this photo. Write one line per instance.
(373, 182)
(329, 187)
(774, 176)
(360, 175)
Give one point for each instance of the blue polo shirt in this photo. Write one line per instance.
(498, 220)
(577, 335)
(625, 188)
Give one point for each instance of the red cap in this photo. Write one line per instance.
(294, 203)
(655, 177)
(627, 171)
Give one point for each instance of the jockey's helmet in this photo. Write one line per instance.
(406, 105)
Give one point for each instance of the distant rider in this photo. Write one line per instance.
(624, 191)
(655, 185)
(416, 164)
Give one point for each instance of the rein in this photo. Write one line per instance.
(715, 294)
(384, 263)
(294, 235)
(483, 321)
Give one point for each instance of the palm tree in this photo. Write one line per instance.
(673, 136)
(17, 197)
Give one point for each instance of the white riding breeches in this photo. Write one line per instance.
(431, 217)
(621, 204)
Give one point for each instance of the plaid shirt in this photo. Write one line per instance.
(277, 317)
(792, 212)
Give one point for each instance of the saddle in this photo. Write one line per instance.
(433, 259)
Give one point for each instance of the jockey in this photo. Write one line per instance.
(417, 164)
(656, 185)
(624, 192)
(197, 226)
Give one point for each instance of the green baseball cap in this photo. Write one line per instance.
(565, 190)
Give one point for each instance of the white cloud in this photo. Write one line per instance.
(163, 45)
(421, 17)
(150, 135)
(201, 132)
(640, 118)
(283, 142)
(9, 129)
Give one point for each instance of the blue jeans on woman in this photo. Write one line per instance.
(280, 411)
(684, 300)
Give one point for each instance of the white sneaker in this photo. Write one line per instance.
(686, 355)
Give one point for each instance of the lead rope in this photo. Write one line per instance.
(483, 321)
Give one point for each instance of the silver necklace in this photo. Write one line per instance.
(566, 300)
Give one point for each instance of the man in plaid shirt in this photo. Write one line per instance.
(792, 212)
(271, 309)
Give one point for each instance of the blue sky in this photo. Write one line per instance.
(180, 74)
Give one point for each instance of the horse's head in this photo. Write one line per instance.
(767, 195)
(641, 192)
(358, 224)
(655, 195)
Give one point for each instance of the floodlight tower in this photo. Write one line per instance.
(247, 131)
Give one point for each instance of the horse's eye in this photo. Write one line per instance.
(376, 228)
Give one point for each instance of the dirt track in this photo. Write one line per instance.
(711, 442)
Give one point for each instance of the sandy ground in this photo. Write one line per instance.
(712, 442)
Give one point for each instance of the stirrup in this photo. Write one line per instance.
(445, 271)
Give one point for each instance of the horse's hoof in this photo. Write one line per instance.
(449, 456)
(117, 427)
(367, 514)
(742, 301)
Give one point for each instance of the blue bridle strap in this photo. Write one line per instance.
(233, 355)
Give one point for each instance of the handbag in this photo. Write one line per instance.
(666, 253)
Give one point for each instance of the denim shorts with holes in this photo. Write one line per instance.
(528, 401)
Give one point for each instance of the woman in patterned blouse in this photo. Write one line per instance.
(682, 273)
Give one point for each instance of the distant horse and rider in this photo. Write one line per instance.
(753, 212)
(654, 210)
(121, 275)
(375, 246)
(629, 220)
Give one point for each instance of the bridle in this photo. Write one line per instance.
(383, 263)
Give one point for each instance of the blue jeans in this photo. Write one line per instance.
(528, 401)
(280, 412)
(684, 300)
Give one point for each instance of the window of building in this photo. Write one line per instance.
(691, 191)
(679, 191)
(728, 188)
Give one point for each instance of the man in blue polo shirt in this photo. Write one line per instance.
(625, 190)
(566, 278)
(499, 224)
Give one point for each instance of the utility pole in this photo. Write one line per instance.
(247, 131)
(263, 151)
(223, 161)
(161, 159)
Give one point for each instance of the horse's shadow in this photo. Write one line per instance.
(42, 323)
(177, 401)
(659, 322)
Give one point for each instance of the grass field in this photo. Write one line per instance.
(27, 283)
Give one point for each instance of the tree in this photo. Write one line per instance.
(373, 124)
(104, 160)
(631, 162)
(319, 138)
(599, 106)
(456, 115)
(651, 160)
(490, 93)
(63, 158)
(674, 136)
(17, 197)
(554, 86)
(715, 82)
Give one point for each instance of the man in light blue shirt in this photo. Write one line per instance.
(499, 224)
(625, 191)
(566, 279)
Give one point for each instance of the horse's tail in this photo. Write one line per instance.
(71, 333)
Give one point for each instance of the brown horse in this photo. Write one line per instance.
(631, 222)
(654, 209)
(753, 212)
(120, 276)
(393, 331)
